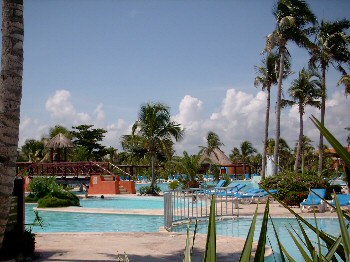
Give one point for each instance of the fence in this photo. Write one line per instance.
(182, 205)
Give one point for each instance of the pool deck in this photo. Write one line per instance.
(160, 246)
(140, 247)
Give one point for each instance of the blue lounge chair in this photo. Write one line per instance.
(220, 184)
(314, 200)
(230, 190)
(254, 196)
(344, 201)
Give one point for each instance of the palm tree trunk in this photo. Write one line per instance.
(278, 109)
(10, 101)
(300, 142)
(266, 137)
(323, 112)
(153, 180)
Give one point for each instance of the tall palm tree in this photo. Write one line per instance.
(10, 101)
(345, 80)
(213, 144)
(305, 90)
(331, 48)
(293, 20)
(247, 150)
(267, 76)
(155, 126)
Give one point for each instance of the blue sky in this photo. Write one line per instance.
(95, 62)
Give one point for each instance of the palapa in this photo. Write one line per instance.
(59, 141)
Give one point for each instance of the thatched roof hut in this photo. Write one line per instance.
(58, 142)
(217, 157)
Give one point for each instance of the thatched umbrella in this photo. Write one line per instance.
(58, 142)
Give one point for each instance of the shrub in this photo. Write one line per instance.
(294, 198)
(59, 199)
(174, 184)
(146, 190)
(42, 186)
(289, 183)
(192, 184)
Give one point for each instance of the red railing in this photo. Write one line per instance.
(75, 169)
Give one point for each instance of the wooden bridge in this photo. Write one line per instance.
(70, 169)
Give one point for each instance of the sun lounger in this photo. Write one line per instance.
(254, 196)
(230, 190)
(344, 201)
(314, 200)
(220, 184)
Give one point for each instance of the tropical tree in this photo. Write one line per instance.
(331, 49)
(286, 157)
(293, 21)
(235, 156)
(189, 165)
(10, 101)
(54, 131)
(247, 150)
(157, 130)
(91, 140)
(267, 77)
(32, 150)
(345, 80)
(305, 91)
(213, 144)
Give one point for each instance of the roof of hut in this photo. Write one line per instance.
(59, 141)
(217, 157)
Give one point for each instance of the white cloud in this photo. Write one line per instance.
(241, 116)
(62, 110)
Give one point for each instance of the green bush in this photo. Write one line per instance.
(59, 199)
(292, 187)
(31, 198)
(146, 190)
(174, 184)
(42, 186)
(294, 198)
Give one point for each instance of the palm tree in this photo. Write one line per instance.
(293, 18)
(305, 90)
(154, 125)
(10, 101)
(213, 144)
(267, 76)
(345, 80)
(247, 150)
(331, 47)
(189, 165)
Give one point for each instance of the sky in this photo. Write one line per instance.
(97, 61)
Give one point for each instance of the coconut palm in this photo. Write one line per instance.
(212, 148)
(267, 76)
(155, 126)
(293, 21)
(189, 165)
(10, 101)
(331, 48)
(247, 150)
(345, 80)
(305, 91)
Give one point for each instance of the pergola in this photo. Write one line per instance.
(56, 143)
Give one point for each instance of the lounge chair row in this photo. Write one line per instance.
(315, 201)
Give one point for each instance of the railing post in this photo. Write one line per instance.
(168, 211)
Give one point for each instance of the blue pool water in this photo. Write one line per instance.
(240, 227)
(124, 203)
(87, 222)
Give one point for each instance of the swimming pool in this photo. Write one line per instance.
(87, 222)
(124, 203)
(240, 227)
